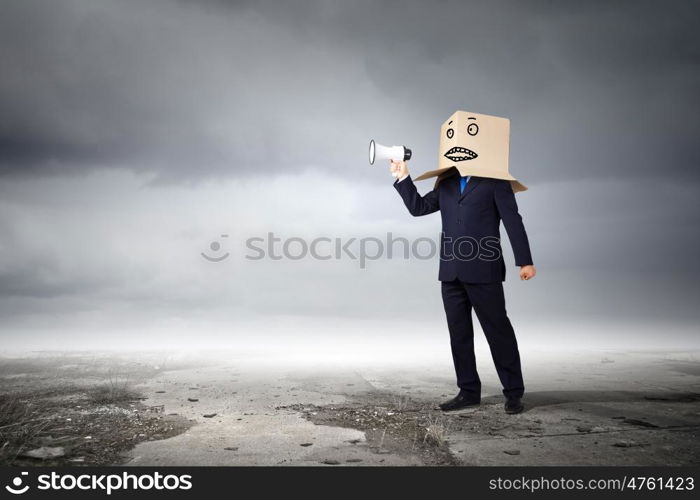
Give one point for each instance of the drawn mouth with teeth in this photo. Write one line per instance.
(460, 154)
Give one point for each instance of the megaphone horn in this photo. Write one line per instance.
(380, 152)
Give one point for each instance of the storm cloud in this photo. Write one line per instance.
(191, 90)
(134, 133)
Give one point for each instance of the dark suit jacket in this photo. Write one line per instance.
(470, 248)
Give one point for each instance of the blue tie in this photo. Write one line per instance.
(463, 183)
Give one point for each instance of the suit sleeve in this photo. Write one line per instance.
(417, 205)
(513, 222)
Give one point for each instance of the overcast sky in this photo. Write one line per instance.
(133, 134)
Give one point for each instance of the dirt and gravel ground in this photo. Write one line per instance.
(615, 408)
(74, 409)
(392, 424)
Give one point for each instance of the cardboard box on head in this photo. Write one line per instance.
(476, 145)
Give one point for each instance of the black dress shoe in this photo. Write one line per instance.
(459, 402)
(514, 405)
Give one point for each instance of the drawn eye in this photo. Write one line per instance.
(450, 133)
(473, 129)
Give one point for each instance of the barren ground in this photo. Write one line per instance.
(613, 408)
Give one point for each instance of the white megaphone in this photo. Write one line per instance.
(380, 152)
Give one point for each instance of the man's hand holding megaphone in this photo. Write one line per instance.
(398, 169)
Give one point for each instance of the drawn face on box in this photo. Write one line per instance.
(475, 144)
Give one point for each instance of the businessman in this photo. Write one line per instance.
(472, 271)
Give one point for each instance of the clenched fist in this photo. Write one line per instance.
(398, 168)
(527, 272)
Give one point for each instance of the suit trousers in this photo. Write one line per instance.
(488, 302)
